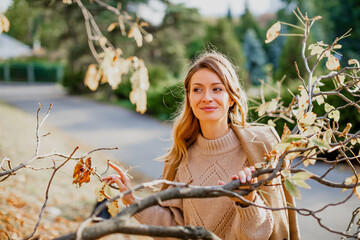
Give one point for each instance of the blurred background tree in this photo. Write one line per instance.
(181, 35)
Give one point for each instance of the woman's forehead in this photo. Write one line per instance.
(205, 76)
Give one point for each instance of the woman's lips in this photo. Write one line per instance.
(208, 109)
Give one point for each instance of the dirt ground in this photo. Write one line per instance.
(23, 194)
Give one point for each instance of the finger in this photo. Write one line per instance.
(235, 177)
(121, 185)
(252, 168)
(248, 174)
(119, 171)
(242, 176)
(106, 178)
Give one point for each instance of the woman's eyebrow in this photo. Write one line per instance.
(211, 84)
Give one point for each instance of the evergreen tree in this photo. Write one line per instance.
(255, 57)
(246, 22)
(222, 37)
(229, 14)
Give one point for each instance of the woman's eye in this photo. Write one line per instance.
(197, 89)
(217, 89)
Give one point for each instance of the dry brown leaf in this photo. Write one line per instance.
(113, 208)
(102, 191)
(82, 172)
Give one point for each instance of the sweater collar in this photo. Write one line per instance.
(219, 145)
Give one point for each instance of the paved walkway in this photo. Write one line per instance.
(141, 139)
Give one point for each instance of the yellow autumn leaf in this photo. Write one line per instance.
(335, 115)
(112, 26)
(320, 99)
(332, 63)
(138, 97)
(136, 34)
(113, 208)
(92, 77)
(328, 107)
(346, 130)
(286, 132)
(337, 46)
(267, 107)
(300, 177)
(303, 103)
(148, 37)
(311, 130)
(352, 180)
(4, 24)
(310, 155)
(273, 32)
(316, 50)
(341, 78)
(102, 191)
(354, 62)
(309, 161)
(261, 110)
(113, 76)
(327, 135)
(306, 120)
(292, 189)
(353, 141)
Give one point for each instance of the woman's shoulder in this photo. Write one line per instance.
(260, 132)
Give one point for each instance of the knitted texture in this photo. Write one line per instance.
(208, 162)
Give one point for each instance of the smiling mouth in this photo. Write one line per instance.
(208, 109)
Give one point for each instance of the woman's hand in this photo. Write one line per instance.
(122, 181)
(245, 176)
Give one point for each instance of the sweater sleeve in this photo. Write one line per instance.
(168, 213)
(253, 222)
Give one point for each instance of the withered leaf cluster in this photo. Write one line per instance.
(82, 172)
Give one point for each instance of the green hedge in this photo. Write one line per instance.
(31, 72)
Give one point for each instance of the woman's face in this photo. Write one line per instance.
(208, 97)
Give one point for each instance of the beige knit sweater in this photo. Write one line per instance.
(210, 161)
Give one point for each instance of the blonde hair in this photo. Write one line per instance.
(186, 126)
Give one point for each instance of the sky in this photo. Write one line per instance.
(4, 4)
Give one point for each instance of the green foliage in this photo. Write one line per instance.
(342, 16)
(164, 101)
(255, 57)
(74, 82)
(20, 15)
(247, 21)
(222, 37)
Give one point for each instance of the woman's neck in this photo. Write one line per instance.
(213, 130)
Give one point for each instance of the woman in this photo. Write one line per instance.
(213, 144)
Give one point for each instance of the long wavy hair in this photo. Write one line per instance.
(186, 126)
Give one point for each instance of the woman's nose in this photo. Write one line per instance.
(207, 97)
